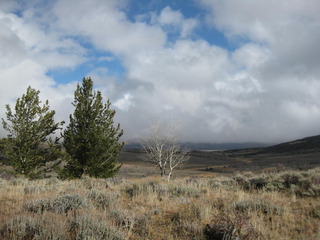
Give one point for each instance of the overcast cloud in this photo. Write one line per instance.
(265, 87)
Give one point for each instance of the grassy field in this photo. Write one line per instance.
(246, 194)
(283, 205)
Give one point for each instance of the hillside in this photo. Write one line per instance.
(309, 144)
(299, 154)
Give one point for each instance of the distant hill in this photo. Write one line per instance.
(209, 146)
(300, 145)
(229, 158)
(298, 154)
(308, 144)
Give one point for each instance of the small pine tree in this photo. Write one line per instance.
(90, 139)
(27, 146)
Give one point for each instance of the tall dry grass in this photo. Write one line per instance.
(283, 205)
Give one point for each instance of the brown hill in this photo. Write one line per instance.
(299, 154)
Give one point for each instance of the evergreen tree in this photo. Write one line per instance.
(90, 139)
(27, 146)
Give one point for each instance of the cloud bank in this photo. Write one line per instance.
(262, 86)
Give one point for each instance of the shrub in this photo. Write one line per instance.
(37, 206)
(241, 181)
(214, 184)
(33, 189)
(186, 222)
(178, 191)
(26, 227)
(307, 191)
(67, 202)
(190, 230)
(302, 184)
(6, 175)
(52, 181)
(114, 181)
(258, 205)
(122, 217)
(257, 183)
(291, 179)
(102, 200)
(88, 182)
(234, 226)
(17, 181)
(133, 190)
(315, 179)
(230, 184)
(160, 188)
(274, 186)
(140, 226)
(61, 204)
(315, 212)
(219, 203)
(86, 227)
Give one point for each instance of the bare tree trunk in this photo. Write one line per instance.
(162, 148)
(169, 175)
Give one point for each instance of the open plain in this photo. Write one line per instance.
(260, 193)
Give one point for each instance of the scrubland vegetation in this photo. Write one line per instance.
(283, 205)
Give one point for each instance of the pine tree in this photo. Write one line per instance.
(90, 139)
(27, 146)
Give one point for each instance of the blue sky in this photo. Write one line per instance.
(226, 71)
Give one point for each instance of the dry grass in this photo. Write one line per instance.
(248, 206)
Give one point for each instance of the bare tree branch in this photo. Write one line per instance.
(162, 147)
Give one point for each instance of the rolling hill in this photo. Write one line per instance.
(299, 154)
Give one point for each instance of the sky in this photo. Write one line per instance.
(225, 71)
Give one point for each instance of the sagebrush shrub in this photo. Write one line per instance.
(53, 181)
(61, 204)
(122, 217)
(87, 227)
(214, 184)
(102, 200)
(37, 206)
(186, 191)
(67, 202)
(291, 179)
(259, 206)
(133, 190)
(31, 227)
(18, 181)
(257, 183)
(33, 189)
(234, 226)
(88, 182)
(242, 181)
(315, 212)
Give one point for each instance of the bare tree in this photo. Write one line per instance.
(162, 147)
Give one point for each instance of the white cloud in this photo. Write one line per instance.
(266, 89)
(277, 48)
(103, 23)
(124, 103)
(174, 21)
(290, 30)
